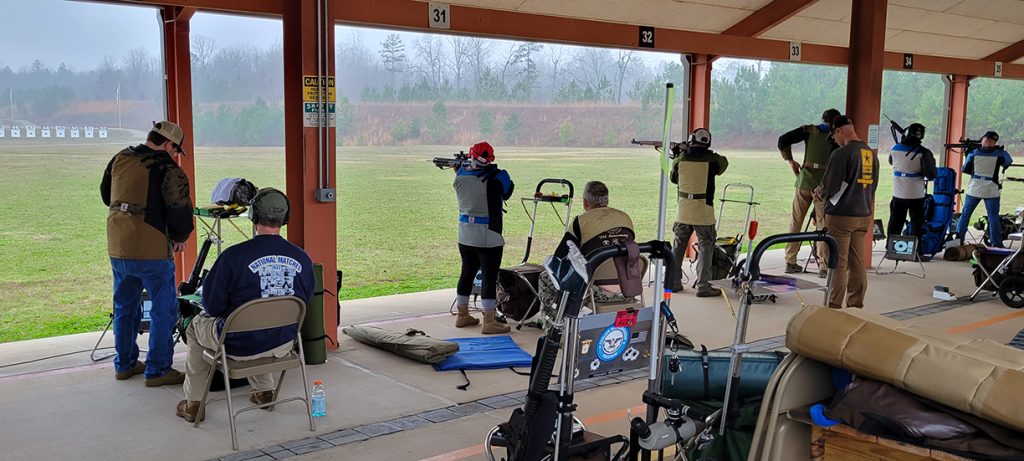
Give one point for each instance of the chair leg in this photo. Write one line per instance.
(305, 388)
(231, 407)
(277, 389)
(206, 394)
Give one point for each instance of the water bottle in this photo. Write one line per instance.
(319, 399)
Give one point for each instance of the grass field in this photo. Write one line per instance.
(396, 219)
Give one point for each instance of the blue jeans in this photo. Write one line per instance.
(994, 224)
(157, 277)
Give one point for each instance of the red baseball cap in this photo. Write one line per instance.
(482, 153)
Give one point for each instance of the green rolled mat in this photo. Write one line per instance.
(314, 337)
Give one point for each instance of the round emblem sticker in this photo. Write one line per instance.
(612, 343)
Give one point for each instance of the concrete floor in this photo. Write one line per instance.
(72, 407)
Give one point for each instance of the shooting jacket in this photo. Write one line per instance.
(911, 166)
(150, 207)
(817, 148)
(984, 170)
(481, 193)
(694, 172)
(596, 228)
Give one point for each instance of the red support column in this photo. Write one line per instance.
(700, 110)
(700, 92)
(956, 123)
(178, 70)
(313, 225)
(864, 77)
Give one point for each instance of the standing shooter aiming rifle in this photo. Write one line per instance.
(481, 189)
(912, 165)
(984, 164)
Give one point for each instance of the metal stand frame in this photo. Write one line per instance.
(917, 259)
(988, 275)
(750, 274)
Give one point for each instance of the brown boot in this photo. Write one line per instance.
(188, 410)
(463, 319)
(492, 326)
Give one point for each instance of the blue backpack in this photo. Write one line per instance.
(938, 212)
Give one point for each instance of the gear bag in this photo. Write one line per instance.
(233, 191)
(938, 212)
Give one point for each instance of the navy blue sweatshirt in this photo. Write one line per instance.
(263, 267)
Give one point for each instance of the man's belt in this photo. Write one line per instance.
(900, 174)
(814, 166)
(128, 208)
(986, 178)
(474, 219)
(693, 196)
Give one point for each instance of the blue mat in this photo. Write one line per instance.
(485, 353)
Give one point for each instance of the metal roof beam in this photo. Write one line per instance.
(767, 17)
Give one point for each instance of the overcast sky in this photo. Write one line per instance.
(80, 34)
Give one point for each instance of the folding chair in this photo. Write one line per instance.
(258, 314)
(606, 277)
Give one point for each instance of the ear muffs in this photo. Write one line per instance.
(254, 210)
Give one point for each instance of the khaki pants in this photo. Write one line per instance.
(202, 336)
(801, 203)
(849, 281)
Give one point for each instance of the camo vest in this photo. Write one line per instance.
(150, 206)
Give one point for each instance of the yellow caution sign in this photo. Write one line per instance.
(309, 89)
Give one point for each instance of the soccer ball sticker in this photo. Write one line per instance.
(612, 343)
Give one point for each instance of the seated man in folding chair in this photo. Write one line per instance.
(263, 267)
(600, 225)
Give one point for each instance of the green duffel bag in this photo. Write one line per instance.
(413, 344)
(703, 375)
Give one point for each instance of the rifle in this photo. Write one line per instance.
(456, 161)
(966, 145)
(676, 147)
(656, 144)
(186, 309)
(189, 287)
(894, 128)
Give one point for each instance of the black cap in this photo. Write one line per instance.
(991, 134)
(829, 115)
(841, 121)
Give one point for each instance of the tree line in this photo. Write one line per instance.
(237, 89)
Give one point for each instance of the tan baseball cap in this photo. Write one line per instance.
(171, 131)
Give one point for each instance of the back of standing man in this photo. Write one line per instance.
(848, 189)
(912, 164)
(694, 172)
(150, 219)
